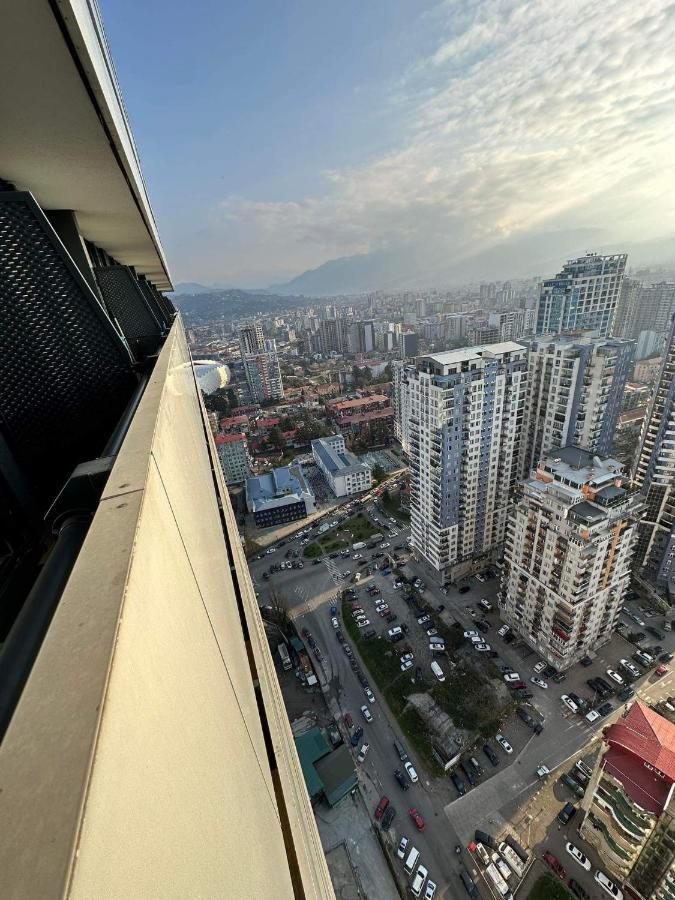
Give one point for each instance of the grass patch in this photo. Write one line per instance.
(312, 551)
(548, 888)
(384, 667)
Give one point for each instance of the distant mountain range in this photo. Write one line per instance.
(193, 287)
(520, 257)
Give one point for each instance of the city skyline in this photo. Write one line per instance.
(413, 139)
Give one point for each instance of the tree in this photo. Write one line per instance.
(378, 473)
(279, 613)
(386, 497)
(276, 438)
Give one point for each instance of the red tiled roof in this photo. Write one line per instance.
(268, 423)
(648, 735)
(361, 401)
(387, 413)
(229, 438)
(233, 420)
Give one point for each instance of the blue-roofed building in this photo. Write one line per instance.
(281, 496)
(343, 471)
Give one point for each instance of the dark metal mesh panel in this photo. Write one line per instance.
(151, 300)
(65, 374)
(165, 304)
(127, 305)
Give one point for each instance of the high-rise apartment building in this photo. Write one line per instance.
(567, 556)
(332, 336)
(234, 459)
(261, 364)
(583, 296)
(645, 307)
(409, 344)
(655, 477)
(575, 388)
(629, 805)
(146, 751)
(465, 413)
(513, 324)
(400, 400)
(360, 336)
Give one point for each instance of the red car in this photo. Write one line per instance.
(417, 819)
(381, 806)
(661, 670)
(349, 722)
(554, 864)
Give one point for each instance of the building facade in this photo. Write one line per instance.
(629, 806)
(465, 415)
(409, 344)
(568, 553)
(279, 497)
(234, 457)
(144, 740)
(400, 401)
(655, 477)
(261, 364)
(343, 472)
(583, 296)
(575, 391)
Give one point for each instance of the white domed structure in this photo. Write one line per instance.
(211, 375)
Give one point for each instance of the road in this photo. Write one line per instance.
(310, 592)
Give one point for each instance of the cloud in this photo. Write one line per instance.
(526, 116)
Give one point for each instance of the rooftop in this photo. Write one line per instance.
(274, 488)
(642, 755)
(336, 461)
(360, 401)
(229, 438)
(465, 354)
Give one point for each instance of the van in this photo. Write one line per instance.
(411, 861)
(515, 846)
(400, 749)
(500, 885)
(469, 885)
(512, 859)
(504, 870)
(438, 672)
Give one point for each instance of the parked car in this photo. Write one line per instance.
(381, 806)
(503, 743)
(356, 737)
(458, 783)
(464, 589)
(491, 755)
(614, 676)
(554, 864)
(539, 682)
(402, 847)
(577, 855)
(569, 703)
(367, 715)
(363, 752)
(566, 813)
(417, 819)
(578, 890)
(608, 885)
(412, 774)
(388, 818)
(539, 667)
(402, 780)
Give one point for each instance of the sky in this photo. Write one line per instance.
(275, 136)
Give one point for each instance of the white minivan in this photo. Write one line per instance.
(411, 861)
(438, 672)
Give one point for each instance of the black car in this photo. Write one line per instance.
(522, 694)
(626, 694)
(340, 636)
(605, 709)
(525, 716)
(467, 768)
(491, 755)
(548, 672)
(578, 890)
(586, 662)
(509, 638)
(469, 885)
(370, 633)
(659, 635)
(334, 555)
(356, 737)
(404, 784)
(558, 677)
(482, 837)
(482, 625)
(387, 818)
(464, 589)
(666, 657)
(458, 783)
(566, 813)
(604, 687)
(580, 702)
(363, 681)
(441, 608)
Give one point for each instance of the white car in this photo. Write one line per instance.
(333, 523)
(369, 694)
(432, 632)
(539, 682)
(346, 573)
(407, 656)
(363, 752)
(357, 556)
(575, 852)
(270, 550)
(570, 703)
(362, 623)
(503, 631)
(392, 519)
(418, 881)
(503, 743)
(592, 716)
(482, 648)
(539, 667)
(412, 774)
(472, 634)
(614, 676)
(402, 847)
(629, 667)
(483, 855)
(430, 892)
(477, 639)
(406, 665)
(367, 715)
(607, 885)
(512, 677)
(385, 545)
(437, 648)
(480, 577)
(334, 622)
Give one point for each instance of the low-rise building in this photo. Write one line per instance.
(344, 473)
(281, 496)
(234, 424)
(339, 409)
(234, 458)
(570, 539)
(647, 370)
(629, 807)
